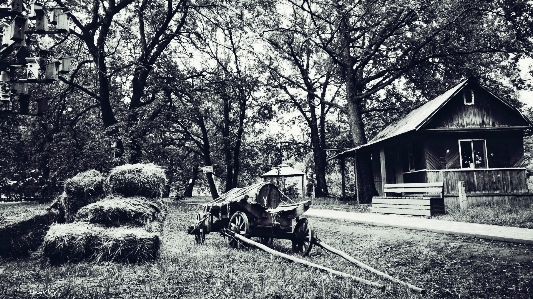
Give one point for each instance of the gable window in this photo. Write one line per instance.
(468, 96)
(473, 153)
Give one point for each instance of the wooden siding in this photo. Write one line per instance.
(486, 112)
(504, 150)
(489, 181)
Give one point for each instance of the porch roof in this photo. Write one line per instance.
(283, 170)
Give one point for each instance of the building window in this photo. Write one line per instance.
(468, 96)
(473, 153)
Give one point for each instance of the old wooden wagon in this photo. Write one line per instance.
(259, 210)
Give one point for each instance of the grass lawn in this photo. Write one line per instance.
(446, 266)
(505, 213)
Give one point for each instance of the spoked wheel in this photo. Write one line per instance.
(199, 235)
(238, 224)
(303, 237)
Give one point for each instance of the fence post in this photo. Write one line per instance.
(463, 201)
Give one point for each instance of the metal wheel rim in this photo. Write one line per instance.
(238, 224)
(199, 237)
(303, 239)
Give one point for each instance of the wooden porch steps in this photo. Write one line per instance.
(428, 201)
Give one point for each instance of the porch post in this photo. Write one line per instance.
(383, 169)
(343, 178)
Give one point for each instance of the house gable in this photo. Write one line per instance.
(473, 107)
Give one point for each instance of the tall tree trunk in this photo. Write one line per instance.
(206, 151)
(227, 140)
(321, 189)
(365, 177)
(192, 181)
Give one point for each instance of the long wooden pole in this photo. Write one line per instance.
(364, 266)
(307, 263)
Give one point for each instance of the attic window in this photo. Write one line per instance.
(468, 96)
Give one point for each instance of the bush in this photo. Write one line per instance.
(84, 188)
(131, 180)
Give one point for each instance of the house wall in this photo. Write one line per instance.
(504, 149)
(486, 112)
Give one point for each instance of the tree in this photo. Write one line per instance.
(376, 43)
(304, 75)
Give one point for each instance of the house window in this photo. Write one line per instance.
(468, 96)
(473, 153)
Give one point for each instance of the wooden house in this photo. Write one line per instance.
(466, 134)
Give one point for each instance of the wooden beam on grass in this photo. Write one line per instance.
(364, 266)
(304, 262)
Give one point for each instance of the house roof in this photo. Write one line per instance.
(283, 170)
(420, 116)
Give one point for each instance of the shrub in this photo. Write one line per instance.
(84, 188)
(131, 180)
(117, 210)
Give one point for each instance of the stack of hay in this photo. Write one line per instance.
(21, 237)
(125, 226)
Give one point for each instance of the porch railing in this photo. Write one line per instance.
(482, 181)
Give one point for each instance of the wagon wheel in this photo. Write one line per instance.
(303, 237)
(199, 236)
(238, 224)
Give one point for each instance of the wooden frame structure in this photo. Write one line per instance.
(430, 145)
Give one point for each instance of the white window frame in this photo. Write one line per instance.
(486, 164)
(471, 96)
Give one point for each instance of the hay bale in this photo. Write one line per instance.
(84, 188)
(74, 242)
(117, 211)
(131, 180)
(19, 238)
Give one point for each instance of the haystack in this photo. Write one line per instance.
(19, 238)
(118, 210)
(130, 180)
(84, 188)
(74, 242)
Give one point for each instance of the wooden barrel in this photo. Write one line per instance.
(265, 194)
(268, 196)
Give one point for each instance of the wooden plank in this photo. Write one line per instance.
(435, 184)
(402, 211)
(408, 207)
(413, 190)
(422, 202)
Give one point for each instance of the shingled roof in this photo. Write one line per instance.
(418, 117)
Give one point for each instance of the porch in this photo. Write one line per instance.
(489, 181)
